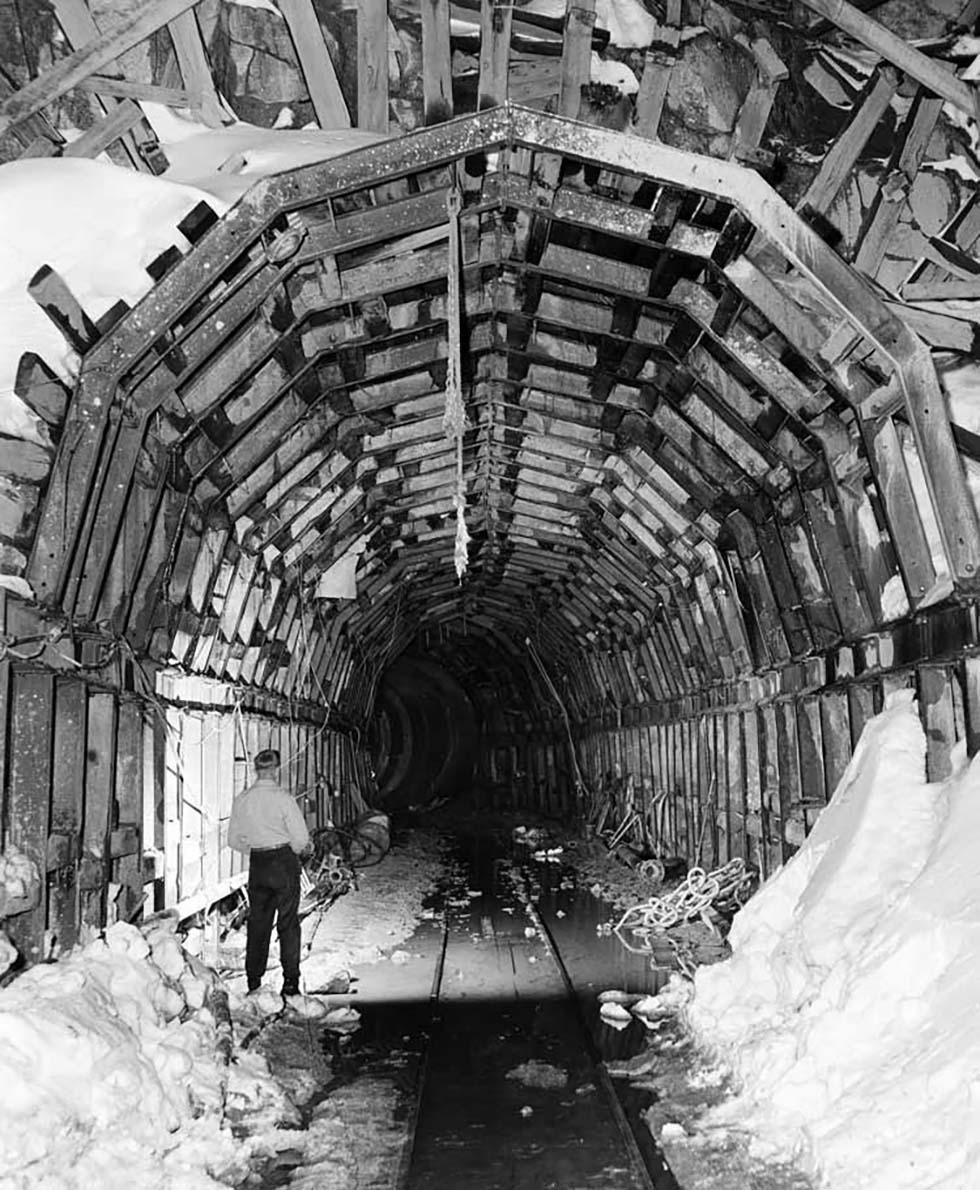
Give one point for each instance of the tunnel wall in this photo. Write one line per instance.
(744, 769)
(120, 795)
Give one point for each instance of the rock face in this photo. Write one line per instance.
(708, 86)
(255, 65)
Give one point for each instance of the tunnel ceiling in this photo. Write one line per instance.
(696, 441)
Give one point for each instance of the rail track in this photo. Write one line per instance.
(502, 991)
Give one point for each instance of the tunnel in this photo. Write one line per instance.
(540, 465)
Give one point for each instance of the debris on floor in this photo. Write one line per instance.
(539, 1074)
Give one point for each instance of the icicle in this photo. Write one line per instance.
(454, 417)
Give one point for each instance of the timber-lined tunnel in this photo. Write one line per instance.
(544, 447)
(701, 469)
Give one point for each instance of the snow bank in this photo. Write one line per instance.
(228, 161)
(97, 225)
(109, 1078)
(847, 1012)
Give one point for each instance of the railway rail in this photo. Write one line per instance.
(503, 1000)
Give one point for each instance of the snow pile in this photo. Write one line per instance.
(99, 226)
(847, 1013)
(355, 930)
(110, 1078)
(19, 880)
(96, 225)
(8, 953)
(228, 161)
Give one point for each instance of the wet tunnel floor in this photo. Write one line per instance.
(466, 1019)
(504, 1025)
(419, 1095)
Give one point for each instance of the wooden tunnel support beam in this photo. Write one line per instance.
(855, 302)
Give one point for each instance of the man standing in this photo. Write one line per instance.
(267, 825)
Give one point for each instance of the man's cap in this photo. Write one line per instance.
(268, 758)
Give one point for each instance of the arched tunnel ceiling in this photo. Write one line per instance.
(695, 436)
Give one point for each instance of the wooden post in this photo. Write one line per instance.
(755, 822)
(437, 78)
(862, 705)
(318, 71)
(105, 132)
(32, 711)
(737, 815)
(835, 733)
(657, 66)
(195, 70)
(772, 826)
(882, 220)
(67, 803)
(496, 18)
(812, 788)
(790, 783)
(936, 694)
(372, 65)
(576, 55)
(754, 114)
(79, 28)
(100, 757)
(126, 839)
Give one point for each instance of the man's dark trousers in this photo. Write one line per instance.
(273, 889)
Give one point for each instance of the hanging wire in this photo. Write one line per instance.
(454, 417)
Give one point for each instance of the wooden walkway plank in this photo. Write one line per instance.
(314, 58)
(68, 72)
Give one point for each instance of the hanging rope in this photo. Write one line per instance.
(454, 418)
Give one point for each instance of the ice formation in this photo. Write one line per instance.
(847, 1012)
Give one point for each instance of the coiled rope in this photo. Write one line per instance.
(693, 897)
